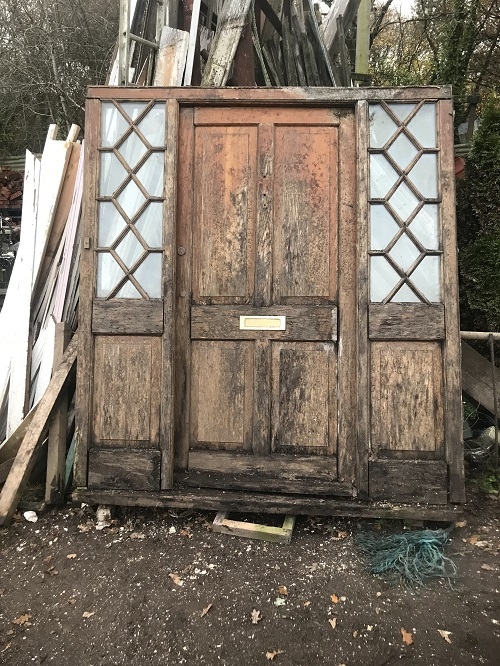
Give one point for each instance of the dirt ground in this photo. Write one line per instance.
(159, 587)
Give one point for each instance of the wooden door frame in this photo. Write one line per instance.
(356, 220)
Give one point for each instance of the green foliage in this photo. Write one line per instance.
(488, 482)
(478, 218)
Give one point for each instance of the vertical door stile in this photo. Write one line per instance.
(183, 288)
(84, 387)
(363, 384)
(169, 253)
(451, 355)
(263, 281)
(346, 449)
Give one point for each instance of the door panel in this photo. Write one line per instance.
(304, 398)
(305, 213)
(127, 391)
(222, 395)
(407, 397)
(224, 242)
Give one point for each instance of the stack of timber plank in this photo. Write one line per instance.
(11, 189)
(37, 321)
(236, 42)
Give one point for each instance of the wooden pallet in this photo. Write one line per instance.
(281, 534)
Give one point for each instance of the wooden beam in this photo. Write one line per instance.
(244, 64)
(123, 42)
(25, 458)
(283, 534)
(476, 377)
(58, 429)
(363, 37)
(229, 28)
(10, 447)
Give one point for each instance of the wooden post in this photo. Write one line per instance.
(56, 454)
(244, 65)
(123, 42)
(23, 464)
(363, 37)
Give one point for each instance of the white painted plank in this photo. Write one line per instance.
(69, 244)
(193, 32)
(345, 8)
(171, 59)
(54, 162)
(15, 314)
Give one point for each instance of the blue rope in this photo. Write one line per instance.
(410, 558)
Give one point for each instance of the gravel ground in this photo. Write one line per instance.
(159, 587)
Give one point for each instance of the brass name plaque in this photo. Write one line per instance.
(257, 323)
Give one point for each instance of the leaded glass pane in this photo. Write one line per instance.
(382, 127)
(383, 227)
(426, 277)
(382, 176)
(131, 199)
(109, 274)
(111, 223)
(425, 226)
(405, 295)
(402, 111)
(402, 151)
(148, 274)
(128, 291)
(112, 174)
(149, 225)
(113, 124)
(404, 252)
(403, 201)
(424, 175)
(133, 109)
(132, 149)
(153, 126)
(151, 174)
(129, 250)
(383, 278)
(423, 126)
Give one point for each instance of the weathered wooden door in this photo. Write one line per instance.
(265, 291)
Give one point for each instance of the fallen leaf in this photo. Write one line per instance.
(407, 637)
(355, 634)
(256, 616)
(71, 556)
(176, 580)
(445, 634)
(282, 589)
(205, 610)
(461, 523)
(85, 528)
(279, 601)
(11, 632)
(333, 622)
(172, 530)
(88, 613)
(378, 610)
(307, 603)
(72, 601)
(335, 599)
(379, 594)
(274, 653)
(343, 598)
(6, 647)
(473, 539)
(487, 567)
(137, 535)
(369, 627)
(22, 619)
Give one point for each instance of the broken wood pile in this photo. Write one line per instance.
(234, 42)
(11, 189)
(37, 321)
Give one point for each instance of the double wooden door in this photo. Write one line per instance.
(259, 379)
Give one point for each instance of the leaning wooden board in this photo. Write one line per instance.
(23, 464)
